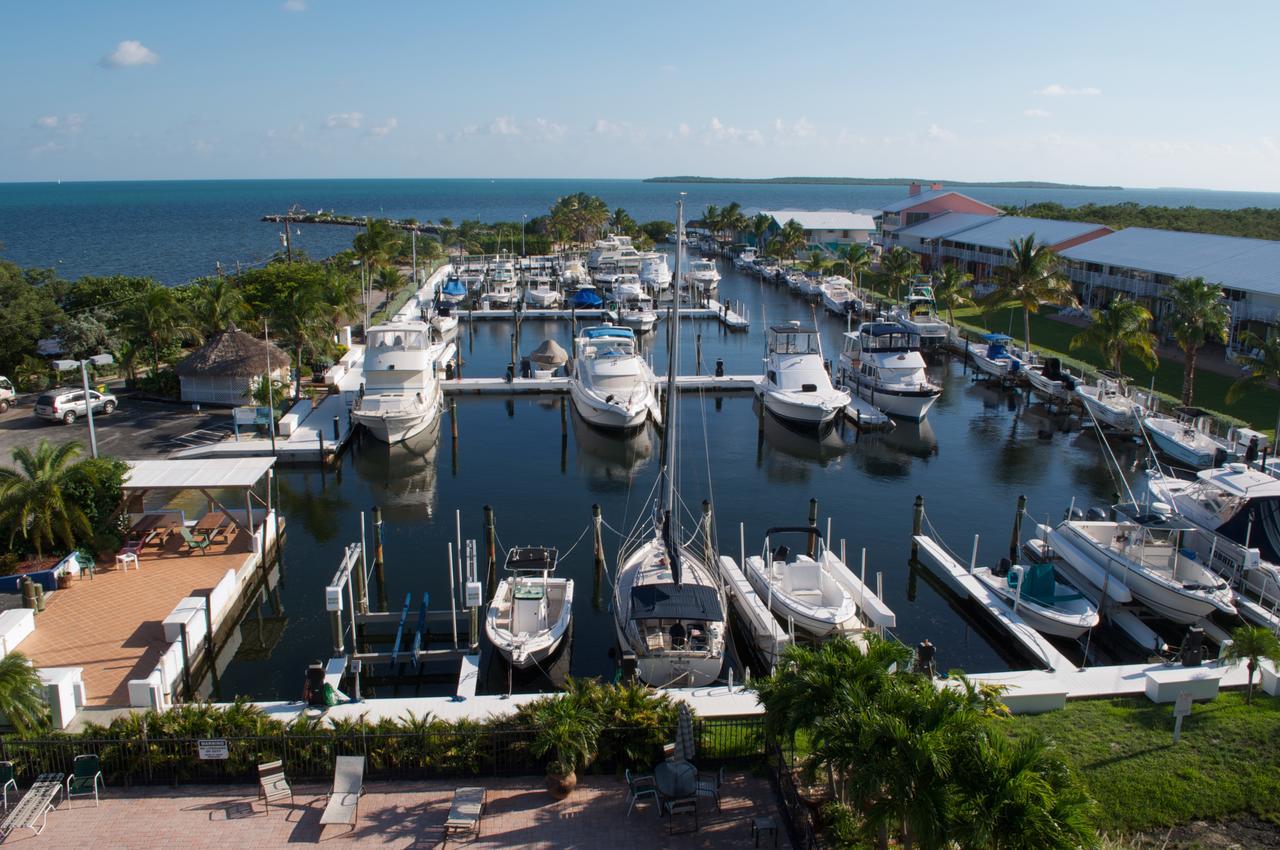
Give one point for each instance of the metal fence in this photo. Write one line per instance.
(799, 818)
(432, 753)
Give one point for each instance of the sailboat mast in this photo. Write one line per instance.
(673, 359)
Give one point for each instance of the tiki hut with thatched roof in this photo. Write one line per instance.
(226, 368)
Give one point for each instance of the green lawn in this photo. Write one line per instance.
(1227, 763)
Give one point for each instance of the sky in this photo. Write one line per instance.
(1134, 93)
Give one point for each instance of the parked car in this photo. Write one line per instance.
(66, 404)
(8, 397)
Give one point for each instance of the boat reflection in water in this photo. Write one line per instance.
(610, 458)
(782, 447)
(891, 454)
(402, 477)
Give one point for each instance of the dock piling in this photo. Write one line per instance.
(1016, 538)
(378, 565)
(358, 575)
(813, 526)
(917, 526)
(697, 347)
(597, 529)
(490, 550)
(337, 431)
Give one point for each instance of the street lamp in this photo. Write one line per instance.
(67, 366)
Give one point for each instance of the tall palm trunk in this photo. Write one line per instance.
(1189, 377)
(1026, 327)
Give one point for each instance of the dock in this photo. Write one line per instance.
(766, 633)
(714, 310)
(959, 579)
(871, 608)
(865, 415)
(560, 385)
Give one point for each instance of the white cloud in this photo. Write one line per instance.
(605, 127)
(344, 120)
(385, 128)
(1036, 113)
(684, 130)
(1059, 90)
(504, 125)
(202, 147)
(718, 131)
(295, 5)
(49, 122)
(129, 54)
(68, 124)
(942, 134)
(547, 130)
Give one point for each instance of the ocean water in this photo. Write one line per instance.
(177, 230)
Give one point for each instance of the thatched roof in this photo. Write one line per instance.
(233, 354)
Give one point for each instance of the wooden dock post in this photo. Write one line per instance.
(513, 354)
(378, 565)
(457, 368)
(564, 434)
(490, 551)
(358, 575)
(453, 428)
(917, 524)
(597, 528)
(697, 348)
(813, 526)
(1016, 538)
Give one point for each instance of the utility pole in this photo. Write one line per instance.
(288, 241)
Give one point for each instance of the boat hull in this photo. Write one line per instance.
(813, 417)
(605, 415)
(912, 404)
(1039, 617)
(395, 428)
(1197, 458)
(818, 622)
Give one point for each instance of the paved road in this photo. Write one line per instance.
(137, 429)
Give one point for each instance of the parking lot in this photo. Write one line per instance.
(137, 429)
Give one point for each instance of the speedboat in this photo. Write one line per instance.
(919, 315)
(612, 385)
(1036, 595)
(768, 269)
(881, 362)
(530, 611)
(636, 311)
(402, 372)
(994, 357)
(802, 588)
(1187, 437)
(454, 289)
(443, 320)
(1051, 381)
(703, 275)
(1109, 402)
(837, 295)
(542, 296)
(746, 257)
(614, 250)
(1159, 556)
(811, 285)
(669, 608)
(626, 286)
(654, 272)
(796, 387)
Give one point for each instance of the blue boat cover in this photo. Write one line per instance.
(609, 331)
(586, 298)
(453, 286)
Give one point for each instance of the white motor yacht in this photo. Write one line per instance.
(803, 587)
(612, 385)
(1040, 598)
(626, 286)
(1110, 402)
(501, 282)
(837, 295)
(919, 315)
(614, 250)
(704, 275)
(444, 321)
(574, 273)
(796, 387)
(881, 362)
(654, 272)
(1187, 437)
(402, 373)
(531, 611)
(795, 280)
(669, 607)
(1157, 555)
(636, 311)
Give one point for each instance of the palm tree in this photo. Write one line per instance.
(566, 728)
(21, 699)
(155, 318)
(900, 265)
(857, 259)
(731, 219)
(579, 216)
(621, 221)
(816, 262)
(1264, 369)
(1252, 644)
(789, 240)
(34, 498)
(1124, 327)
(218, 303)
(711, 218)
(952, 290)
(303, 319)
(1030, 279)
(1199, 314)
(759, 226)
(341, 292)
(388, 281)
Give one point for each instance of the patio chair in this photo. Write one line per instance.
(344, 799)
(465, 813)
(709, 785)
(642, 786)
(6, 777)
(682, 806)
(193, 542)
(86, 776)
(272, 785)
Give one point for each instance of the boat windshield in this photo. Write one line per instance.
(888, 337)
(793, 341)
(397, 338)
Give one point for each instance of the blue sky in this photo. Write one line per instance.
(1137, 94)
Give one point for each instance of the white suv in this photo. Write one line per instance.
(66, 405)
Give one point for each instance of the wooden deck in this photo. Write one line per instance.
(111, 624)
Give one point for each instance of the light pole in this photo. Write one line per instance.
(67, 366)
(523, 219)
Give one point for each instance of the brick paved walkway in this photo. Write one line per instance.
(399, 815)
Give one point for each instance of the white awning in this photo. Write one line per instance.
(209, 474)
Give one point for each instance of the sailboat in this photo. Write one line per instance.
(668, 606)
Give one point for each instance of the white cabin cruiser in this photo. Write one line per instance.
(802, 587)
(614, 250)
(746, 257)
(796, 387)
(402, 373)
(625, 286)
(612, 385)
(1157, 555)
(995, 357)
(1188, 437)
(542, 296)
(1110, 402)
(654, 272)
(1036, 594)
(636, 311)
(703, 275)
(531, 611)
(574, 273)
(669, 607)
(837, 296)
(920, 316)
(501, 281)
(881, 362)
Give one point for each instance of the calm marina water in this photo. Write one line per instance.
(176, 230)
(978, 450)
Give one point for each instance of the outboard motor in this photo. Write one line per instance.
(313, 691)
(1096, 514)
(1002, 568)
(1075, 514)
(1192, 652)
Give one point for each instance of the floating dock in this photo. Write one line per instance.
(766, 633)
(714, 310)
(871, 608)
(560, 385)
(865, 415)
(1036, 645)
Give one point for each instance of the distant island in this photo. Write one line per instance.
(874, 181)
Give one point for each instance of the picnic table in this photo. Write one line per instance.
(34, 805)
(213, 523)
(156, 525)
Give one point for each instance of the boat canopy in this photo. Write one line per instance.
(998, 338)
(532, 558)
(675, 602)
(454, 286)
(1154, 519)
(1239, 479)
(550, 353)
(609, 331)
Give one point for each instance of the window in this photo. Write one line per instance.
(916, 218)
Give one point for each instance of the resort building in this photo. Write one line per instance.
(923, 204)
(827, 230)
(1142, 262)
(226, 368)
(980, 243)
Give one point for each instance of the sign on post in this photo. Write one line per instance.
(213, 748)
(1181, 709)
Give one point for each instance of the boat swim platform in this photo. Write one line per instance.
(560, 385)
(958, 579)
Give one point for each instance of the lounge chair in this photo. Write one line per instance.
(709, 785)
(272, 785)
(86, 776)
(194, 542)
(344, 799)
(7, 778)
(683, 806)
(465, 813)
(642, 786)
